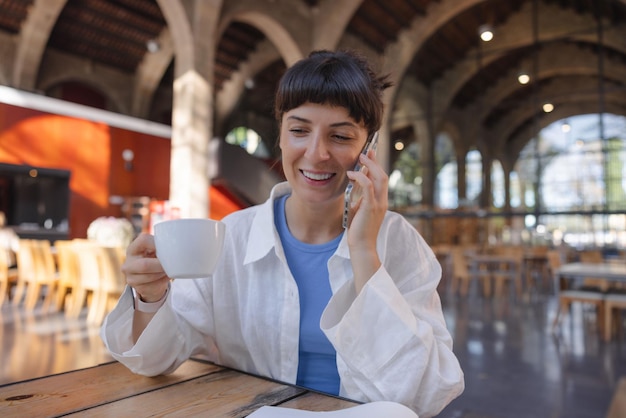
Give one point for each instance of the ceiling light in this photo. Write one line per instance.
(152, 45)
(523, 78)
(485, 32)
(548, 107)
(399, 145)
(566, 127)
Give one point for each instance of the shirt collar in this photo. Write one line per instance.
(263, 235)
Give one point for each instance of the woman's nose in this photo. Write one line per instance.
(317, 148)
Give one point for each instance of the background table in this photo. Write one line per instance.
(197, 388)
(498, 268)
(610, 272)
(614, 272)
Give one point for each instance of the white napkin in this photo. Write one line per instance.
(367, 410)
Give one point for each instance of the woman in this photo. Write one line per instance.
(295, 297)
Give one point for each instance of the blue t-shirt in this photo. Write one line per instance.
(317, 366)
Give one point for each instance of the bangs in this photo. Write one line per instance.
(330, 79)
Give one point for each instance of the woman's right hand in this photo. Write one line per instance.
(143, 270)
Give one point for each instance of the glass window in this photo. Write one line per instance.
(473, 175)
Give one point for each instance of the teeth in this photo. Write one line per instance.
(315, 176)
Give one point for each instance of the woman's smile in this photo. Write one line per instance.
(317, 176)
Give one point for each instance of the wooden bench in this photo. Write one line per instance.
(618, 403)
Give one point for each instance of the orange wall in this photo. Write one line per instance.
(92, 152)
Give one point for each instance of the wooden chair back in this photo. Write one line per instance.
(554, 261)
(25, 268)
(8, 276)
(36, 268)
(593, 256)
(111, 269)
(88, 265)
(69, 278)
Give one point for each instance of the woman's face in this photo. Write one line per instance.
(319, 143)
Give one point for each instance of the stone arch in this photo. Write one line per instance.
(99, 78)
(330, 21)
(228, 96)
(149, 74)
(519, 141)
(516, 32)
(453, 132)
(557, 59)
(506, 127)
(291, 48)
(280, 44)
(32, 41)
(178, 23)
(399, 55)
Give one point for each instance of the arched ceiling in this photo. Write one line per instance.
(460, 70)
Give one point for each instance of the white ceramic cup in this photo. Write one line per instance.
(189, 247)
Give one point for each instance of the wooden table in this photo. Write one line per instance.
(608, 271)
(614, 272)
(197, 388)
(495, 267)
(536, 264)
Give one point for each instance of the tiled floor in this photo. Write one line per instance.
(514, 365)
(517, 367)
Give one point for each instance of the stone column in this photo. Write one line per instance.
(485, 199)
(192, 25)
(460, 176)
(191, 116)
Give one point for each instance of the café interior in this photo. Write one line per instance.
(504, 139)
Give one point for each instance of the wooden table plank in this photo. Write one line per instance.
(225, 393)
(74, 391)
(312, 401)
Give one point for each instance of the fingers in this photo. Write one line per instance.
(371, 177)
(142, 269)
(143, 245)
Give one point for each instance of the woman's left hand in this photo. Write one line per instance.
(368, 212)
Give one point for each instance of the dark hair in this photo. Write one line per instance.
(341, 78)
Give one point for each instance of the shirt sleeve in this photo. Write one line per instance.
(391, 340)
(167, 341)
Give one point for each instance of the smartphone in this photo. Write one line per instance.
(353, 192)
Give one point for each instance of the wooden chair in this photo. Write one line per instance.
(461, 277)
(555, 260)
(617, 409)
(68, 275)
(569, 296)
(101, 279)
(592, 283)
(590, 297)
(112, 283)
(536, 268)
(35, 270)
(509, 272)
(8, 276)
(613, 305)
(45, 275)
(89, 277)
(25, 269)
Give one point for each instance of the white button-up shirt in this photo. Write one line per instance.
(391, 340)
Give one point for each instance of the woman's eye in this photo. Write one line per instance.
(297, 131)
(342, 137)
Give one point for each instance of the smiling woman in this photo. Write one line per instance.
(295, 296)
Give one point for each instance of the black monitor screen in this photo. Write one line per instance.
(34, 197)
